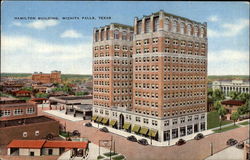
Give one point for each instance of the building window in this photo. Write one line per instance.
(166, 123)
(124, 35)
(25, 134)
(196, 117)
(156, 24)
(107, 34)
(174, 27)
(155, 40)
(139, 26)
(182, 28)
(166, 25)
(189, 118)
(96, 36)
(137, 119)
(36, 133)
(145, 120)
(183, 120)
(146, 41)
(30, 110)
(147, 26)
(18, 112)
(175, 121)
(6, 113)
(196, 31)
(116, 34)
(189, 30)
(202, 34)
(102, 35)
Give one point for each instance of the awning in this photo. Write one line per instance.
(126, 125)
(136, 128)
(144, 130)
(105, 120)
(112, 122)
(99, 119)
(94, 118)
(152, 132)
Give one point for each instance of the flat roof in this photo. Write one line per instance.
(38, 144)
(23, 121)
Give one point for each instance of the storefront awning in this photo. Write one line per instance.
(144, 130)
(136, 128)
(126, 125)
(152, 133)
(99, 119)
(94, 118)
(105, 120)
(112, 122)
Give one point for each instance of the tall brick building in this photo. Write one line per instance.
(53, 77)
(154, 82)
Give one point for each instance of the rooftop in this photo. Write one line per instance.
(38, 144)
(24, 121)
(233, 102)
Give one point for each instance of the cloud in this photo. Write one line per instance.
(16, 23)
(227, 62)
(27, 54)
(213, 18)
(71, 34)
(42, 24)
(229, 29)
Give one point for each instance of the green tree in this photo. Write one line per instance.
(235, 116)
(221, 111)
(210, 92)
(234, 95)
(218, 95)
(217, 105)
(42, 95)
(244, 97)
(244, 109)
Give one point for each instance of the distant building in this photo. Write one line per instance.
(39, 127)
(53, 77)
(22, 93)
(15, 109)
(44, 147)
(231, 85)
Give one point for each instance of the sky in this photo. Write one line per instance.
(32, 45)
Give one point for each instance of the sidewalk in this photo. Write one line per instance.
(167, 143)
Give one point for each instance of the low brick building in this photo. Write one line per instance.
(15, 109)
(39, 127)
(231, 106)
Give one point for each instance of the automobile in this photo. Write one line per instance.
(104, 129)
(132, 138)
(240, 145)
(88, 124)
(143, 141)
(232, 142)
(199, 136)
(76, 133)
(180, 142)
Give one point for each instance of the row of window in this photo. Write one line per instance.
(171, 59)
(18, 112)
(165, 105)
(25, 134)
(156, 86)
(124, 48)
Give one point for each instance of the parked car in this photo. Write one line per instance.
(232, 142)
(180, 142)
(132, 138)
(143, 141)
(104, 129)
(240, 145)
(76, 133)
(199, 136)
(88, 124)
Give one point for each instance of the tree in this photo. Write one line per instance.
(244, 109)
(234, 95)
(42, 95)
(221, 111)
(27, 89)
(218, 95)
(235, 116)
(217, 105)
(244, 97)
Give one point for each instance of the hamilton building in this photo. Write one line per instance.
(151, 78)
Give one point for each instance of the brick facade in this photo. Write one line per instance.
(53, 77)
